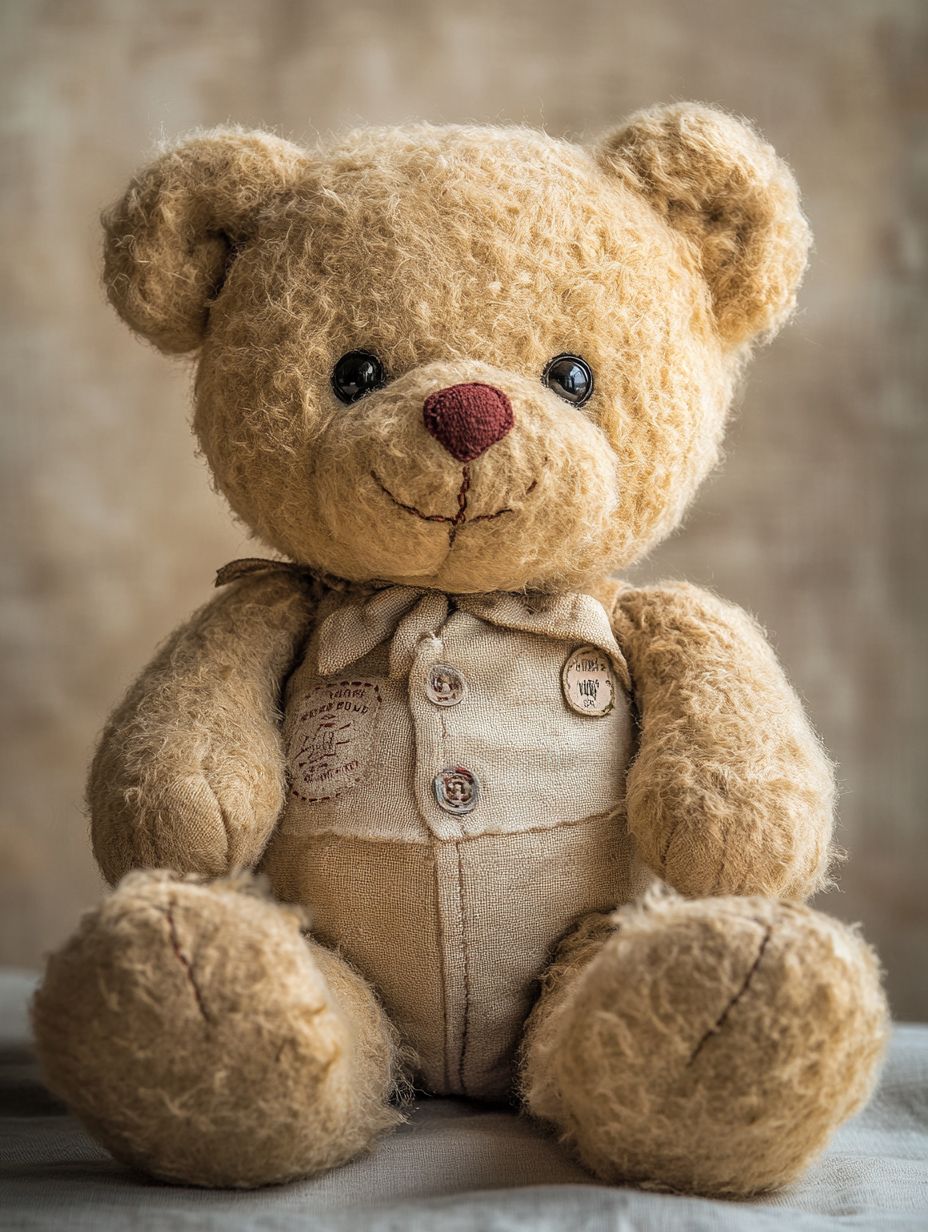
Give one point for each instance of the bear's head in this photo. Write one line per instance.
(467, 358)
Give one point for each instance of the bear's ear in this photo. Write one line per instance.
(715, 181)
(169, 240)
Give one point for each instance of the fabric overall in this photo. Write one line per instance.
(453, 809)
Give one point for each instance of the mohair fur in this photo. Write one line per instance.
(214, 1044)
(707, 1043)
(708, 1046)
(356, 247)
(189, 773)
(731, 791)
(714, 182)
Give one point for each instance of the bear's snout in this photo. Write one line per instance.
(468, 419)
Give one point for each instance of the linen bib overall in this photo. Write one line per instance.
(457, 775)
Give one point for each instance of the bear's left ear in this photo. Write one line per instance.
(715, 181)
(171, 238)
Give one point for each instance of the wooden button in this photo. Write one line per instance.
(445, 685)
(455, 790)
(588, 682)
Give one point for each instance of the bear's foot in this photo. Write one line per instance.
(706, 1046)
(202, 1038)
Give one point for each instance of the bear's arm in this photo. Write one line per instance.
(190, 771)
(731, 791)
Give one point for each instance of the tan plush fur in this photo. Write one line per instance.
(190, 772)
(708, 1043)
(172, 235)
(732, 798)
(706, 1046)
(225, 1048)
(362, 251)
(710, 177)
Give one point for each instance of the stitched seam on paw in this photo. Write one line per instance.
(745, 984)
(665, 850)
(227, 827)
(185, 962)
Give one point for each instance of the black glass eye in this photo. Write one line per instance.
(570, 377)
(357, 374)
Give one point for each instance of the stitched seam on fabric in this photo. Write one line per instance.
(460, 519)
(461, 515)
(182, 958)
(445, 972)
(463, 491)
(665, 850)
(464, 952)
(227, 827)
(442, 963)
(426, 517)
(745, 984)
(613, 815)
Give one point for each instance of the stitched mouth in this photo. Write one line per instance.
(459, 519)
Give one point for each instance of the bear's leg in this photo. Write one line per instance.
(708, 1046)
(201, 1037)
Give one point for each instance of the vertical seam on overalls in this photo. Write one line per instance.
(466, 962)
(442, 964)
(443, 938)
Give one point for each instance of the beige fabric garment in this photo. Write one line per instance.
(450, 892)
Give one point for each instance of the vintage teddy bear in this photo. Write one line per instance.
(525, 831)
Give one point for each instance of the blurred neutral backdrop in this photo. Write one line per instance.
(816, 523)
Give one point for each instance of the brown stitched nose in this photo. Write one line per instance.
(468, 419)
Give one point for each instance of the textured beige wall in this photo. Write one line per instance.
(817, 522)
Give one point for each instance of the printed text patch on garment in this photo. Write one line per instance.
(331, 739)
(588, 682)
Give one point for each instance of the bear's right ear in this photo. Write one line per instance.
(169, 241)
(716, 182)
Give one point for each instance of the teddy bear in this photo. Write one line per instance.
(431, 800)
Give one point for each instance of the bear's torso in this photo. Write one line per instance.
(457, 769)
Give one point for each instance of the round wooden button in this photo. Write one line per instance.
(455, 790)
(588, 682)
(445, 685)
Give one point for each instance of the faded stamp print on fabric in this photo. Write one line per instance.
(332, 738)
(588, 682)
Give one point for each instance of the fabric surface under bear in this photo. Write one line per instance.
(526, 832)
